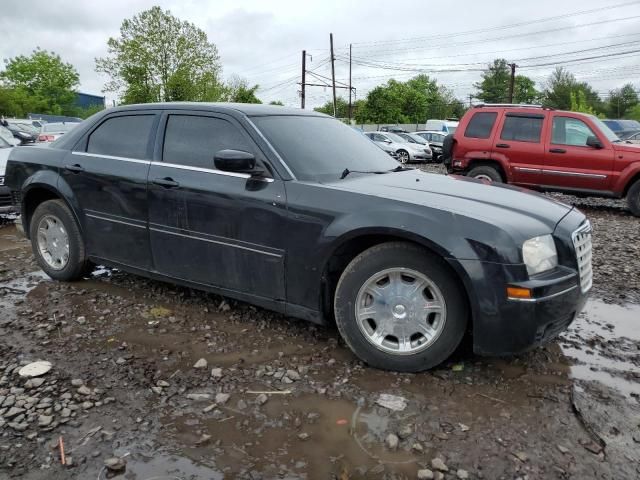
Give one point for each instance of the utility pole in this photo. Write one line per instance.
(304, 70)
(333, 75)
(512, 82)
(350, 113)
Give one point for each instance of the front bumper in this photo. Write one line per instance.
(506, 326)
(6, 204)
(419, 156)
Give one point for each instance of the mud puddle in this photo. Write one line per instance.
(603, 344)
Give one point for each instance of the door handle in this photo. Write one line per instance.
(166, 182)
(74, 168)
(503, 145)
(557, 150)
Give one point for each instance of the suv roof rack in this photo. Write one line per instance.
(516, 105)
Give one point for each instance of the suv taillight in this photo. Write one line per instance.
(46, 138)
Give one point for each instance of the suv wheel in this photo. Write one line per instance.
(398, 307)
(485, 172)
(403, 156)
(633, 198)
(57, 242)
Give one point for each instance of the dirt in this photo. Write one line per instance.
(299, 404)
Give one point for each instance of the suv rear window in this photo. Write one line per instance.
(481, 124)
(125, 136)
(521, 128)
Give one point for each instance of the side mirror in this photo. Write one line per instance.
(236, 161)
(387, 141)
(593, 142)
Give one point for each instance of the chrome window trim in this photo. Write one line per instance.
(111, 157)
(542, 299)
(218, 242)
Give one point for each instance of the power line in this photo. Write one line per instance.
(502, 27)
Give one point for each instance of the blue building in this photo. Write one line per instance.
(86, 100)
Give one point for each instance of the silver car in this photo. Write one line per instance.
(406, 151)
(52, 131)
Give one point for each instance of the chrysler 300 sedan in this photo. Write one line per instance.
(296, 212)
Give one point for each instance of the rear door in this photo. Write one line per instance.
(107, 173)
(569, 162)
(208, 226)
(478, 135)
(521, 145)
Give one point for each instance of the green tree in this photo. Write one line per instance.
(634, 113)
(39, 82)
(496, 81)
(621, 101)
(579, 102)
(239, 91)
(276, 102)
(342, 108)
(159, 57)
(562, 85)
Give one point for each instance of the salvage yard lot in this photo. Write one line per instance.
(568, 410)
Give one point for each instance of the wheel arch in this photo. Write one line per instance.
(350, 245)
(480, 162)
(35, 194)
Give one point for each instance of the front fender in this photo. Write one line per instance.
(626, 177)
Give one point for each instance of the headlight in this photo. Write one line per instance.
(539, 254)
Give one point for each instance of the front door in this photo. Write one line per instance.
(107, 175)
(520, 141)
(212, 227)
(570, 163)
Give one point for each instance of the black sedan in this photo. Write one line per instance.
(296, 212)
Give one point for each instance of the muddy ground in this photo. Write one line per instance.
(123, 384)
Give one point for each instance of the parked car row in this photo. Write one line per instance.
(406, 150)
(547, 150)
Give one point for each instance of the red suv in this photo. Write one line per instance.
(545, 149)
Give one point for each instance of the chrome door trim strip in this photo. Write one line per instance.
(111, 157)
(528, 170)
(573, 174)
(98, 217)
(218, 242)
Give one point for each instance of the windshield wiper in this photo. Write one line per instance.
(346, 172)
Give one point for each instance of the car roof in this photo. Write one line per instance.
(249, 109)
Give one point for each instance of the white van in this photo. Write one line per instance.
(446, 126)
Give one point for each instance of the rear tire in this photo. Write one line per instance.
(485, 172)
(57, 242)
(376, 327)
(633, 198)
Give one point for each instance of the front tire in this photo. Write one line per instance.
(399, 307)
(633, 198)
(403, 156)
(485, 172)
(57, 242)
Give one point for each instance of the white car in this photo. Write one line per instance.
(446, 126)
(52, 131)
(6, 205)
(406, 151)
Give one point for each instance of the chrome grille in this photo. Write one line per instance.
(582, 245)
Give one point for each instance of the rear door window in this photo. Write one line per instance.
(481, 124)
(522, 128)
(123, 136)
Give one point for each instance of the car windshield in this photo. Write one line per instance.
(452, 129)
(417, 138)
(606, 131)
(23, 127)
(396, 138)
(321, 148)
(58, 127)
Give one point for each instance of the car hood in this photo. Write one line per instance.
(510, 207)
(627, 147)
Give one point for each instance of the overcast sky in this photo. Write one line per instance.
(262, 40)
